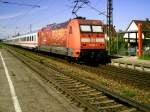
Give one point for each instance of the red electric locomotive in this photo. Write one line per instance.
(77, 39)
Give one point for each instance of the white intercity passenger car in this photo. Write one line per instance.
(27, 40)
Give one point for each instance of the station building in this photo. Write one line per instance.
(131, 36)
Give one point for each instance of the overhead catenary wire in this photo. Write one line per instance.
(100, 12)
(80, 3)
(38, 21)
(32, 6)
(20, 4)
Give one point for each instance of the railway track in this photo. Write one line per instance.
(90, 97)
(137, 78)
(135, 74)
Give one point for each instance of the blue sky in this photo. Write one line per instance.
(14, 18)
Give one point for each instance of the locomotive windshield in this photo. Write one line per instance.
(91, 28)
(97, 29)
(85, 28)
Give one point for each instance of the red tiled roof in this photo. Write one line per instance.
(145, 24)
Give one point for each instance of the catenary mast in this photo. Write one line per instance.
(109, 22)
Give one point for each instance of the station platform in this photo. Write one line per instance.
(22, 90)
(132, 62)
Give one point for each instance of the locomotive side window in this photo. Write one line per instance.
(85, 28)
(70, 30)
(97, 29)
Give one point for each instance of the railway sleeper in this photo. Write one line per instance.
(72, 82)
(61, 75)
(75, 87)
(69, 83)
(65, 81)
(96, 98)
(85, 88)
(88, 91)
(102, 102)
(95, 93)
(130, 110)
(80, 89)
(117, 106)
(68, 86)
(89, 95)
(64, 78)
(61, 78)
(79, 86)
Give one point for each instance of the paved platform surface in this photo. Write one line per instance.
(32, 94)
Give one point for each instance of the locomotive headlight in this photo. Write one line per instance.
(100, 40)
(85, 39)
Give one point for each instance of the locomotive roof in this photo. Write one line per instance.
(56, 25)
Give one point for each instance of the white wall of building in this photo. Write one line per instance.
(132, 27)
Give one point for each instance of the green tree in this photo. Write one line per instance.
(118, 45)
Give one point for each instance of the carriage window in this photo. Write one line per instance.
(29, 38)
(97, 29)
(85, 28)
(32, 38)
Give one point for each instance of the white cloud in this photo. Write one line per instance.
(9, 16)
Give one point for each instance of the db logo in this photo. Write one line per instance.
(92, 45)
(92, 39)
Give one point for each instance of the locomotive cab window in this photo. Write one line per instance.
(85, 28)
(97, 29)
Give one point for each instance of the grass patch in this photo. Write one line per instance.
(146, 57)
(0, 46)
(129, 93)
(41, 61)
(13, 74)
(104, 83)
